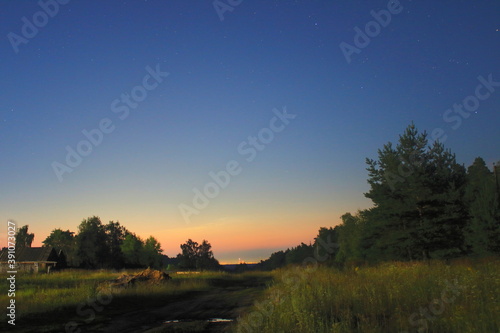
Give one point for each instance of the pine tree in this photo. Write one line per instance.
(481, 197)
(417, 193)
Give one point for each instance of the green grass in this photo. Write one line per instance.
(463, 296)
(43, 293)
(48, 302)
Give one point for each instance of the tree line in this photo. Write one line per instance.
(425, 206)
(111, 245)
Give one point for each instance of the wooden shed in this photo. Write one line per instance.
(33, 259)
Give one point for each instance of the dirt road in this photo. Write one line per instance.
(214, 310)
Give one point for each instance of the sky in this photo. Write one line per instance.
(246, 123)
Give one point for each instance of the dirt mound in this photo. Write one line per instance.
(152, 276)
(147, 276)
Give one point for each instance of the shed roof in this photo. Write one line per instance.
(31, 254)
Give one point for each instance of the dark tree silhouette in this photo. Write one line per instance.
(65, 241)
(417, 191)
(483, 229)
(115, 234)
(197, 256)
(23, 237)
(92, 249)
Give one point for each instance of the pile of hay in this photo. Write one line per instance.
(147, 276)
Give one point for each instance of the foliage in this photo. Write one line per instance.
(417, 192)
(23, 237)
(197, 256)
(92, 249)
(324, 249)
(131, 248)
(326, 245)
(483, 232)
(106, 246)
(349, 235)
(425, 206)
(115, 235)
(65, 241)
(152, 253)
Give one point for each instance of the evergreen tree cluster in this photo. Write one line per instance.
(323, 250)
(425, 206)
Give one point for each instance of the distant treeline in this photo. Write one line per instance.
(425, 206)
(98, 245)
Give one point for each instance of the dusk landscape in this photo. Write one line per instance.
(244, 166)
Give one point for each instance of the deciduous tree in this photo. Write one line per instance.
(23, 237)
(151, 256)
(65, 241)
(115, 234)
(92, 249)
(132, 249)
(197, 256)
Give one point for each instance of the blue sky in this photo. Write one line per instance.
(225, 78)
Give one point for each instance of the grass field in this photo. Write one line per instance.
(463, 296)
(41, 293)
(48, 302)
(435, 296)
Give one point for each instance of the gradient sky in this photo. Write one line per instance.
(225, 78)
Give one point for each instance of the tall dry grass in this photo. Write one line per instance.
(463, 296)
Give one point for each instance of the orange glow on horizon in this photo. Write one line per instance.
(264, 232)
